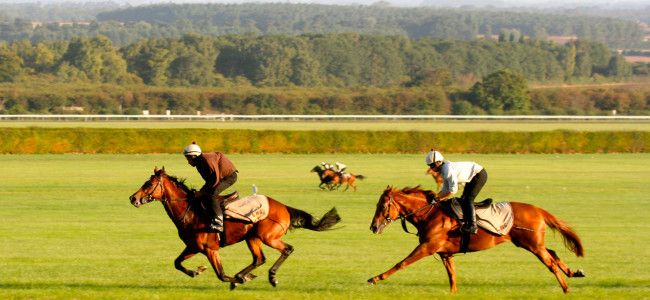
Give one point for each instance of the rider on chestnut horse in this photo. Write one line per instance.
(472, 174)
(219, 174)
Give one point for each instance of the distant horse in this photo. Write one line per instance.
(436, 177)
(324, 179)
(192, 224)
(341, 178)
(439, 232)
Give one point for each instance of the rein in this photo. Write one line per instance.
(150, 198)
(404, 216)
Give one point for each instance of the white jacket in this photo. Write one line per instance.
(455, 173)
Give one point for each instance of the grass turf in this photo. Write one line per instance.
(68, 230)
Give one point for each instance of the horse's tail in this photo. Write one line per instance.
(571, 239)
(301, 219)
(360, 177)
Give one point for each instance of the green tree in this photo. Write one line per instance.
(10, 66)
(502, 91)
(618, 68)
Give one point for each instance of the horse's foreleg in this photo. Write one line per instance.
(215, 261)
(255, 246)
(420, 252)
(186, 254)
(448, 261)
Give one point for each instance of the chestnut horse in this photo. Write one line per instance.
(348, 178)
(439, 232)
(436, 176)
(192, 224)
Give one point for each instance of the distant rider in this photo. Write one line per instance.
(453, 173)
(218, 172)
(340, 167)
(326, 166)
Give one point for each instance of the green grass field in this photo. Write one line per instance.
(69, 232)
(441, 125)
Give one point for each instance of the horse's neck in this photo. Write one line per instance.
(414, 203)
(177, 206)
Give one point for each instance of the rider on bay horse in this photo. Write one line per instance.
(453, 173)
(219, 174)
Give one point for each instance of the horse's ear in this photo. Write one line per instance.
(155, 170)
(162, 170)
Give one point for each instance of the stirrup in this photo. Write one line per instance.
(216, 226)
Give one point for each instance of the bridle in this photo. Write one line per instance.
(150, 197)
(403, 217)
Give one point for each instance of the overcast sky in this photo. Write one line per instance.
(407, 3)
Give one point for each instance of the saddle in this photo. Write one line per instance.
(249, 209)
(496, 218)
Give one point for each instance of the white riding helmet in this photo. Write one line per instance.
(434, 156)
(192, 150)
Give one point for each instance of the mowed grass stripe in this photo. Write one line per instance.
(68, 230)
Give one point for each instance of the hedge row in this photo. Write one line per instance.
(143, 141)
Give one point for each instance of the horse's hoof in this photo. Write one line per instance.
(579, 273)
(372, 281)
(200, 270)
(233, 285)
(273, 281)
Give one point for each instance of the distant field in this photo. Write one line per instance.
(69, 232)
(360, 125)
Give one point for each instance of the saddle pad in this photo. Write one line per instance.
(251, 208)
(497, 218)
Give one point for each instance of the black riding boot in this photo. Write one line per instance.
(469, 214)
(216, 223)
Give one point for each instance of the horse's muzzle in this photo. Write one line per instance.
(137, 202)
(378, 227)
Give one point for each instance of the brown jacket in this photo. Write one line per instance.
(213, 167)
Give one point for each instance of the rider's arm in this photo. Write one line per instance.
(449, 182)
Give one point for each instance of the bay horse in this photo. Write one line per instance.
(436, 176)
(326, 180)
(348, 178)
(439, 232)
(192, 224)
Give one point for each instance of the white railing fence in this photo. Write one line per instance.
(228, 117)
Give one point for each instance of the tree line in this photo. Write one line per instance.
(334, 60)
(312, 74)
(126, 25)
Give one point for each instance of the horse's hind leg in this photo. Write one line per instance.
(549, 260)
(564, 267)
(186, 254)
(285, 250)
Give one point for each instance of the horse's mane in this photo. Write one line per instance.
(180, 182)
(429, 194)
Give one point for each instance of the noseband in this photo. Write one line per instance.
(387, 214)
(150, 197)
